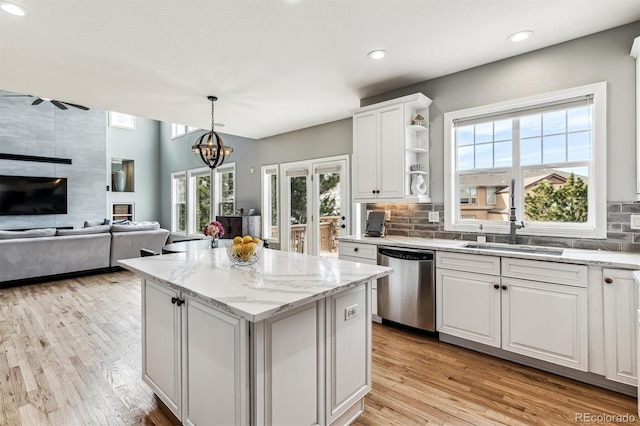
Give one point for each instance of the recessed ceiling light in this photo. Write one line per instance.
(13, 9)
(377, 54)
(520, 36)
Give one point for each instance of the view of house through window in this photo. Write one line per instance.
(547, 148)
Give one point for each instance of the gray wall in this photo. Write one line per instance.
(141, 145)
(599, 57)
(313, 142)
(45, 130)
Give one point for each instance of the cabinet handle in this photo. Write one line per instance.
(343, 226)
(174, 300)
(179, 302)
(608, 280)
(504, 287)
(496, 286)
(355, 249)
(373, 192)
(377, 191)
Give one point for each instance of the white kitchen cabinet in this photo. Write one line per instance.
(194, 357)
(386, 144)
(543, 320)
(363, 253)
(468, 306)
(161, 344)
(378, 156)
(619, 293)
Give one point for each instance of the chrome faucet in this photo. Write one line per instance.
(513, 226)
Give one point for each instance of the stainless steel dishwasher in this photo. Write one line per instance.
(408, 295)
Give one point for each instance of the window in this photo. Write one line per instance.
(122, 121)
(468, 195)
(490, 196)
(192, 129)
(270, 202)
(225, 195)
(199, 199)
(553, 147)
(179, 203)
(192, 194)
(177, 130)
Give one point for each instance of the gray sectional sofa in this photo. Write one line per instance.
(40, 253)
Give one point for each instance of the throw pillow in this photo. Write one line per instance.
(141, 226)
(31, 233)
(89, 223)
(100, 229)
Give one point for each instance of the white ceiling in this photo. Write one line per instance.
(274, 66)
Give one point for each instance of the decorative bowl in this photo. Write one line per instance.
(244, 254)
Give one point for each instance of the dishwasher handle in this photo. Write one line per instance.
(406, 254)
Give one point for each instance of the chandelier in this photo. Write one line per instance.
(209, 147)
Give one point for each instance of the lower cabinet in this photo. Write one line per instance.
(363, 253)
(194, 357)
(619, 293)
(307, 366)
(539, 319)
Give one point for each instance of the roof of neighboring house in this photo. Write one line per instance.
(501, 180)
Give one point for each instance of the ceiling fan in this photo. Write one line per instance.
(59, 104)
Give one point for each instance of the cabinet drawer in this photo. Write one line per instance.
(468, 262)
(358, 259)
(551, 272)
(363, 251)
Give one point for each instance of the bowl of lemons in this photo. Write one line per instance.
(244, 250)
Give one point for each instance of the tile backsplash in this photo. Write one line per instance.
(412, 220)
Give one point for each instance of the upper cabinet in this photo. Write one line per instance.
(391, 151)
(635, 53)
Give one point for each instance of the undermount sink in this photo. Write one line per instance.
(516, 248)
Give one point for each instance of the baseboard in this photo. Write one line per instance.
(581, 376)
(38, 280)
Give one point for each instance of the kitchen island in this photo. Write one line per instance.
(286, 341)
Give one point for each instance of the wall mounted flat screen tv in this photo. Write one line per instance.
(22, 195)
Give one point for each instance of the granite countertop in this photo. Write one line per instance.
(279, 281)
(613, 259)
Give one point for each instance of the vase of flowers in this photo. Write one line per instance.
(214, 231)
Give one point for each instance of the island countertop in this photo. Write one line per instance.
(279, 281)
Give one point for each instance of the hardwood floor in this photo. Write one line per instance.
(70, 355)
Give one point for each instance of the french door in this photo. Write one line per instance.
(315, 205)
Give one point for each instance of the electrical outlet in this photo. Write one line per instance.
(434, 217)
(350, 312)
(387, 215)
(635, 221)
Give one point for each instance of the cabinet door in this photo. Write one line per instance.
(390, 164)
(161, 358)
(619, 326)
(216, 367)
(468, 306)
(365, 155)
(545, 321)
(348, 349)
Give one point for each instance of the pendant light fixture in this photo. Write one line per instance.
(209, 147)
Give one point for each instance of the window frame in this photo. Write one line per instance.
(225, 168)
(175, 130)
(192, 175)
(265, 196)
(174, 218)
(121, 120)
(595, 227)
